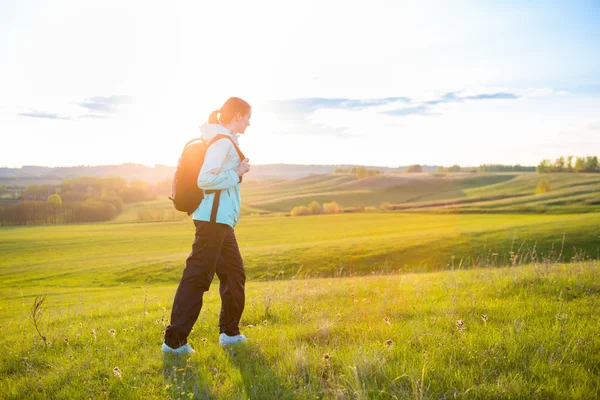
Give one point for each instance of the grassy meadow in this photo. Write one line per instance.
(478, 288)
(513, 332)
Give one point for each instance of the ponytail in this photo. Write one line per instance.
(213, 118)
(229, 110)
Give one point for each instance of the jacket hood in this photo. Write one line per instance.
(209, 131)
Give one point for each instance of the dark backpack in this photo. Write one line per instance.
(186, 195)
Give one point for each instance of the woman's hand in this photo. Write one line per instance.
(243, 167)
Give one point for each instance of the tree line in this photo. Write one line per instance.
(361, 172)
(79, 199)
(562, 164)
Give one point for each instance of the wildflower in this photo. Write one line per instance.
(66, 340)
(387, 321)
(326, 357)
(204, 340)
(48, 343)
(389, 342)
(117, 372)
(112, 332)
(81, 325)
(460, 325)
(484, 318)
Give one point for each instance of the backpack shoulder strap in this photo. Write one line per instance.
(218, 137)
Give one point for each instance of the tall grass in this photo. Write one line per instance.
(512, 332)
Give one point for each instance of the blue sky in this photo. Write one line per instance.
(331, 82)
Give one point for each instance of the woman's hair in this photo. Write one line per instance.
(229, 110)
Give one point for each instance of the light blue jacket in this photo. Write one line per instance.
(218, 173)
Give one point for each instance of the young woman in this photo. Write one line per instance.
(215, 249)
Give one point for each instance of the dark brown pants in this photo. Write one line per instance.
(215, 250)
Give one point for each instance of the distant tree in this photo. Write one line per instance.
(570, 164)
(114, 183)
(591, 164)
(115, 200)
(543, 186)
(579, 164)
(362, 172)
(414, 168)
(314, 208)
(332, 208)
(300, 210)
(136, 191)
(504, 168)
(544, 166)
(341, 170)
(559, 164)
(54, 211)
(454, 168)
(440, 169)
(54, 199)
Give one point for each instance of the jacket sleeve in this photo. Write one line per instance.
(212, 176)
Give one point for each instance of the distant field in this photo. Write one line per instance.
(326, 245)
(421, 192)
(490, 192)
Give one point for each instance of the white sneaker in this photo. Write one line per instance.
(183, 350)
(225, 339)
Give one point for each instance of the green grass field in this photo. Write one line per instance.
(312, 246)
(514, 332)
(363, 305)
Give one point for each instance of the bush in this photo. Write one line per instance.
(386, 206)
(543, 186)
(414, 168)
(298, 211)
(314, 208)
(332, 208)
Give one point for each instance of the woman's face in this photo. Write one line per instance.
(242, 122)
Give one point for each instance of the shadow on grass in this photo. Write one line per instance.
(185, 378)
(260, 381)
